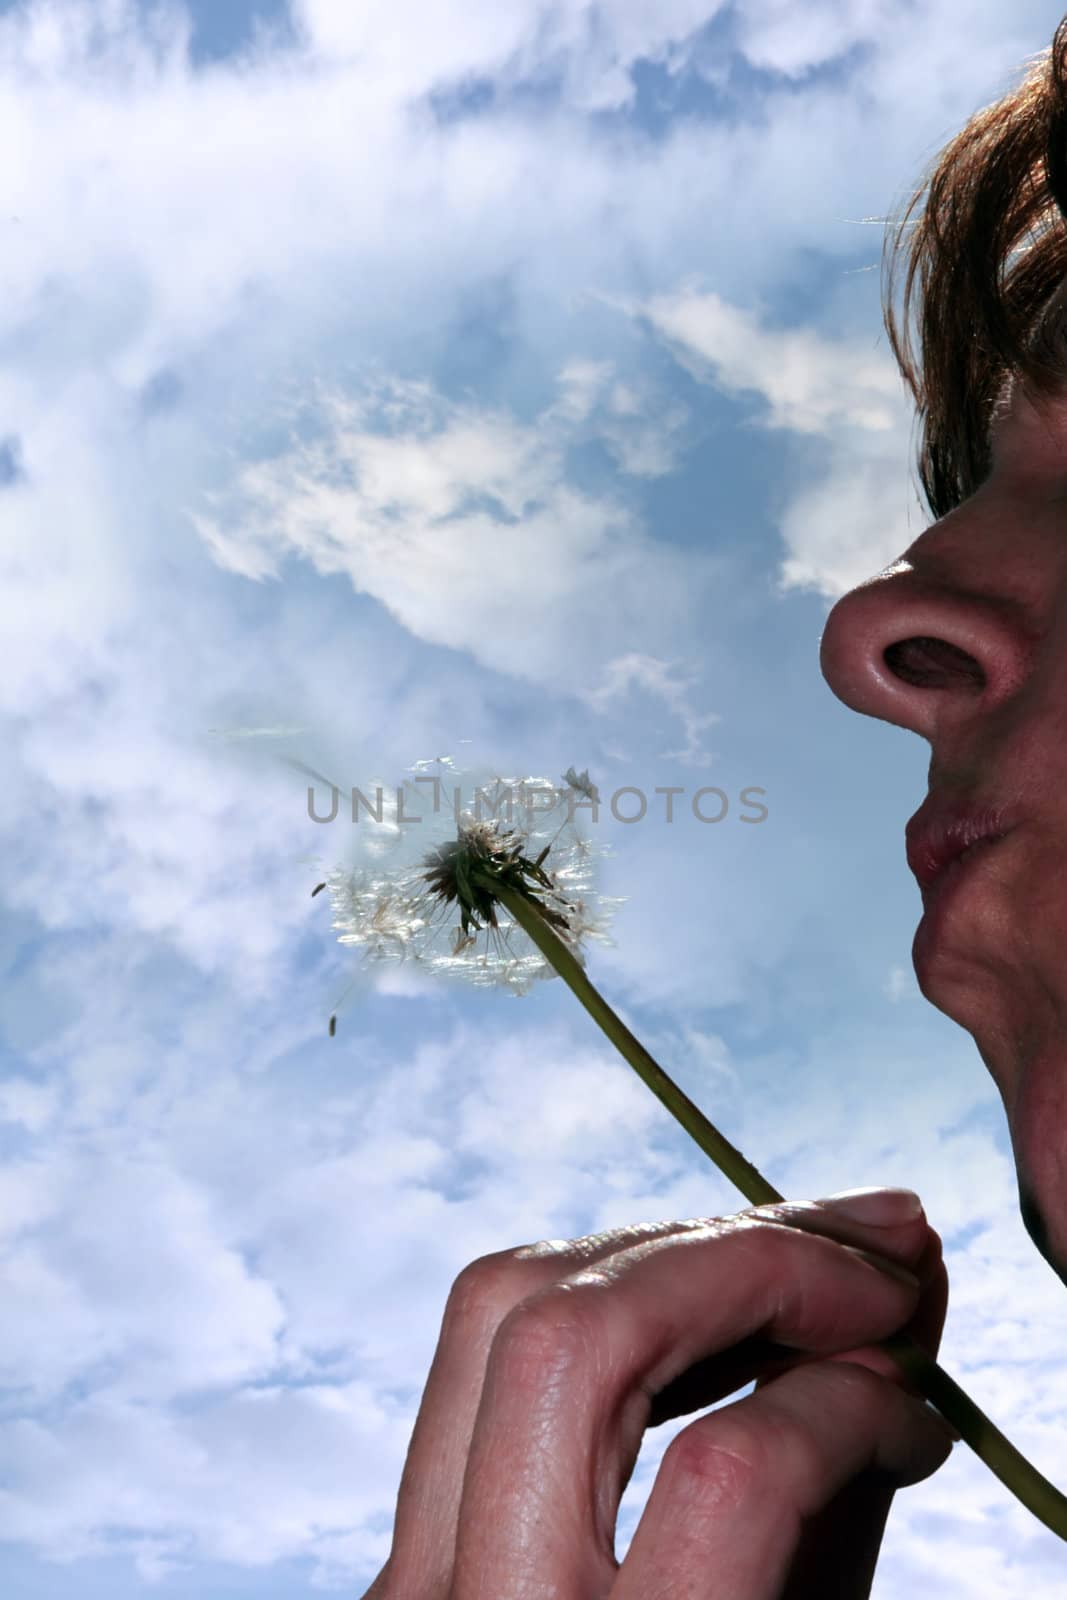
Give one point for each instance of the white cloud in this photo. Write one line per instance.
(639, 426)
(460, 521)
(663, 681)
(899, 984)
(590, 51)
(218, 1374)
(254, 1479)
(123, 1307)
(810, 383)
(853, 519)
(772, 35)
(27, 1104)
(225, 1250)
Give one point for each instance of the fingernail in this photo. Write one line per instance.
(881, 1208)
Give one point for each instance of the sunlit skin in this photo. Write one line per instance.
(991, 580)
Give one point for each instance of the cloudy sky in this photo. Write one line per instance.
(480, 379)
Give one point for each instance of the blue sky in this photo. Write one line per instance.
(497, 381)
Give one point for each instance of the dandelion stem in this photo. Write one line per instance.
(725, 1155)
(920, 1369)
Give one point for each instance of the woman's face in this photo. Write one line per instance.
(990, 581)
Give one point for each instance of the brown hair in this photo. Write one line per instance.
(997, 191)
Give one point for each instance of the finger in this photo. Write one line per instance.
(571, 1370)
(846, 1536)
(424, 1529)
(913, 1242)
(838, 1549)
(727, 1513)
(925, 1327)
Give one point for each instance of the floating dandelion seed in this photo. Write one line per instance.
(582, 784)
(445, 762)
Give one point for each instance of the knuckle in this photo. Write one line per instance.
(770, 1211)
(549, 1330)
(799, 1216)
(772, 1248)
(485, 1290)
(775, 1441)
(771, 1235)
(497, 1281)
(722, 1456)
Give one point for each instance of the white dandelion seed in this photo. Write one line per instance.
(581, 783)
(445, 763)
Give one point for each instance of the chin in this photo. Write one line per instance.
(1039, 1144)
(1024, 1047)
(968, 993)
(1036, 1225)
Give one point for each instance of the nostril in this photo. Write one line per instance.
(933, 664)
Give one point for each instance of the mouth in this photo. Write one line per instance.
(942, 836)
(948, 841)
(947, 852)
(954, 867)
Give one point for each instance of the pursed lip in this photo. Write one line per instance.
(942, 829)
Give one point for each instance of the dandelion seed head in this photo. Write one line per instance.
(439, 910)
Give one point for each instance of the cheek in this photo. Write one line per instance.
(1036, 917)
(1024, 763)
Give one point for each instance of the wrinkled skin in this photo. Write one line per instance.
(553, 1360)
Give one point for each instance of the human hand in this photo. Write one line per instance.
(553, 1359)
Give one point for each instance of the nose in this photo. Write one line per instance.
(914, 653)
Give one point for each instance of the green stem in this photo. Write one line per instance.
(922, 1371)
